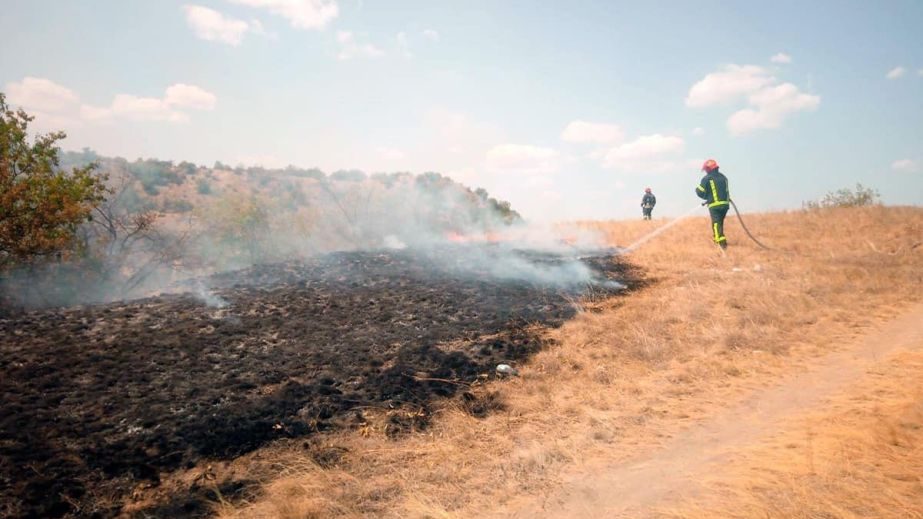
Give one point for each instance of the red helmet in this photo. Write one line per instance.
(647, 190)
(710, 165)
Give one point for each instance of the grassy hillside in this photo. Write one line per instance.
(183, 187)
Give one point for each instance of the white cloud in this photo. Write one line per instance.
(583, 131)
(210, 25)
(698, 131)
(770, 103)
(649, 153)
(60, 105)
(728, 84)
(190, 96)
(781, 58)
(896, 72)
(301, 14)
(350, 48)
(522, 158)
(144, 109)
(770, 108)
(905, 165)
(431, 35)
(135, 108)
(41, 94)
(920, 72)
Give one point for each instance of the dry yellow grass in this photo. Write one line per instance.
(628, 372)
(861, 457)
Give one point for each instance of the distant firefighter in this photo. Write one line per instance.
(713, 188)
(647, 203)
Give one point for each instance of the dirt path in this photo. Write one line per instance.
(636, 487)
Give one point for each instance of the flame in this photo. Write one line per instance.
(486, 237)
(455, 237)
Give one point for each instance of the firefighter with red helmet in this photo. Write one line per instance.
(713, 188)
(648, 201)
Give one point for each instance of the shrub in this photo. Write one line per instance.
(154, 174)
(187, 168)
(203, 187)
(859, 197)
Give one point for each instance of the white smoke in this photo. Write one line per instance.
(275, 216)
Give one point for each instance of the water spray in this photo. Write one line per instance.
(651, 235)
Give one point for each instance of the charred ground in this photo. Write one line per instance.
(99, 400)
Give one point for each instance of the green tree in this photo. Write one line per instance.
(41, 204)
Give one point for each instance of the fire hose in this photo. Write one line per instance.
(742, 224)
(746, 230)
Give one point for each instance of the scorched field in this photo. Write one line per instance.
(102, 400)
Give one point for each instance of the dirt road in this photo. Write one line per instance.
(672, 473)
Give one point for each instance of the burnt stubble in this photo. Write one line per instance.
(99, 400)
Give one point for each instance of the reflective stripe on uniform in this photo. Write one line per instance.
(714, 191)
(716, 204)
(700, 188)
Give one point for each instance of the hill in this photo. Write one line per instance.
(165, 222)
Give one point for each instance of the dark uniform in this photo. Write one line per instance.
(647, 205)
(714, 190)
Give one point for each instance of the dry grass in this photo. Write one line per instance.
(861, 457)
(627, 372)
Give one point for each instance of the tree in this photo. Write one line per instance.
(123, 246)
(41, 205)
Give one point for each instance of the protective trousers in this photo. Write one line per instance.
(717, 224)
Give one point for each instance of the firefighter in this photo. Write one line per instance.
(647, 203)
(713, 188)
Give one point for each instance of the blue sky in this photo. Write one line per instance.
(568, 110)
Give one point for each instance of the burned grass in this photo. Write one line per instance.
(104, 400)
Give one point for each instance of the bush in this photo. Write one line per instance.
(187, 168)
(203, 187)
(859, 197)
(78, 159)
(154, 174)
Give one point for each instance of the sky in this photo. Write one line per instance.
(566, 109)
